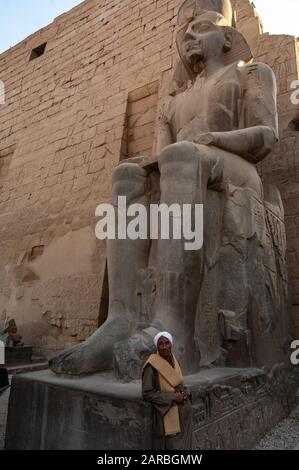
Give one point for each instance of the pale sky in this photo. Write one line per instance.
(20, 18)
(279, 16)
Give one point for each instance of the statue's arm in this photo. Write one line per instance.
(164, 135)
(163, 138)
(258, 121)
(253, 143)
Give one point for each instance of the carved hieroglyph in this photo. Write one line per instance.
(226, 303)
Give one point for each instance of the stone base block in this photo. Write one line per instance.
(18, 355)
(4, 382)
(233, 409)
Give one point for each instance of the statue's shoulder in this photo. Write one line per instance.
(260, 71)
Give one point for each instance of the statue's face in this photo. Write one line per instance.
(201, 41)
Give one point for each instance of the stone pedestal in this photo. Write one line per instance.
(233, 409)
(18, 355)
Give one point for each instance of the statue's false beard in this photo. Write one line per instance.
(197, 62)
(195, 56)
(194, 52)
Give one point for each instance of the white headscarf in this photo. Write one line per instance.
(165, 334)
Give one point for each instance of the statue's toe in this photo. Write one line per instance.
(95, 354)
(63, 364)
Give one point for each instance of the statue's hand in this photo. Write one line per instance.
(205, 138)
(146, 162)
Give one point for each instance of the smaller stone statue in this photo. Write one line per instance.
(13, 339)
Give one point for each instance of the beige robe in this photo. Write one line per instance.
(162, 403)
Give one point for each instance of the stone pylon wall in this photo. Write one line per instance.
(70, 114)
(62, 130)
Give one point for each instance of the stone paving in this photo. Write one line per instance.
(285, 436)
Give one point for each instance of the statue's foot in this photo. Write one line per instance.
(96, 353)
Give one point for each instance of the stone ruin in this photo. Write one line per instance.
(229, 305)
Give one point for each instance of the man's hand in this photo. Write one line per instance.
(187, 392)
(181, 397)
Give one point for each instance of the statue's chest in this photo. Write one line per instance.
(207, 108)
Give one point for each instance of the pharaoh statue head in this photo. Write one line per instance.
(206, 29)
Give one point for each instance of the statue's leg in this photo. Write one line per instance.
(125, 258)
(185, 170)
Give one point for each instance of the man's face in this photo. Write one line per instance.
(164, 347)
(202, 40)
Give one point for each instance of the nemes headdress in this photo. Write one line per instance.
(192, 8)
(220, 13)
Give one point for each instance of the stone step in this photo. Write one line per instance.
(37, 359)
(32, 367)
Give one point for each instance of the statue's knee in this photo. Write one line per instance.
(176, 152)
(183, 158)
(129, 179)
(127, 171)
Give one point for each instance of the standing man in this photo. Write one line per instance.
(163, 387)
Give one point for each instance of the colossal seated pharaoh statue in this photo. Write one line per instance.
(226, 303)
